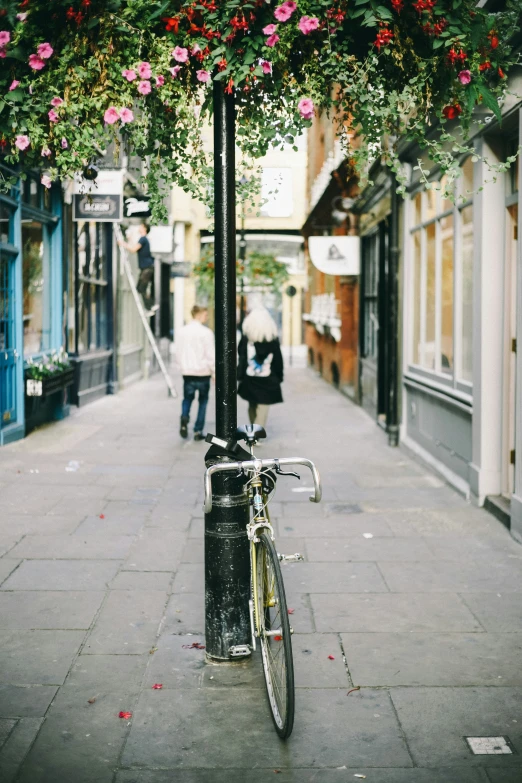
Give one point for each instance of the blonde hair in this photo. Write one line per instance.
(259, 326)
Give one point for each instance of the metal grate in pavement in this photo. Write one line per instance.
(489, 746)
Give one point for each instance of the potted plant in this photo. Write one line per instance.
(52, 373)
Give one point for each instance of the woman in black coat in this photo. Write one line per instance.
(260, 367)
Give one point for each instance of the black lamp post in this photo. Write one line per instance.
(227, 564)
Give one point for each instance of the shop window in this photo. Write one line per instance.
(311, 357)
(35, 282)
(93, 253)
(6, 224)
(335, 375)
(442, 263)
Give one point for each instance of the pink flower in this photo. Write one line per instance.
(272, 40)
(14, 85)
(180, 54)
(56, 101)
(144, 70)
(195, 49)
(22, 142)
(126, 116)
(270, 29)
(46, 152)
(266, 66)
(285, 11)
(53, 117)
(21, 17)
(203, 76)
(464, 77)
(160, 80)
(64, 143)
(45, 50)
(46, 180)
(5, 37)
(111, 116)
(174, 71)
(129, 74)
(306, 108)
(36, 63)
(144, 88)
(3, 53)
(308, 24)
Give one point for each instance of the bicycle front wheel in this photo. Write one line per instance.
(273, 628)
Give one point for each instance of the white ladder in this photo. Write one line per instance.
(141, 311)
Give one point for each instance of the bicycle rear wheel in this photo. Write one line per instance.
(274, 635)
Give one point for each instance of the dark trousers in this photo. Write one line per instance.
(145, 279)
(191, 385)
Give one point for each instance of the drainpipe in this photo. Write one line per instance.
(392, 415)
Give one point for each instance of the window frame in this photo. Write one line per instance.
(437, 377)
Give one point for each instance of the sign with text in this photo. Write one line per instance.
(96, 207)
(136, 206)
(109, 182)
(335, 255)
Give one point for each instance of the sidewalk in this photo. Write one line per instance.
(416, 595)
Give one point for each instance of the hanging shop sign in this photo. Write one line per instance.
(136, 206)
(335, 255)
(99, 208)
(108, 182)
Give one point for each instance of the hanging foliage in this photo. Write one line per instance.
(258, 271)
(77, 74)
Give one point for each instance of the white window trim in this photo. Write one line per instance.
(453, 381)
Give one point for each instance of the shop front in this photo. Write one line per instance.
(31, 308)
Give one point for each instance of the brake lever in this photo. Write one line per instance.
(283, 473)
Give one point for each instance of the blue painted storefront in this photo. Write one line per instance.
(31, 291)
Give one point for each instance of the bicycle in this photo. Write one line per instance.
(269, 621)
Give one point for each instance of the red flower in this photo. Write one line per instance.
(424, 5)
(384, 36)
(494, 41)
(501, 73)
(222, 64)
(229, 88)
(157, 686)
(485, 66)
(397, 5)
(125, 715)
(451, 112)
(171, 24)
(238, 23)
(70, 13)
(440, 26)
(453, 56)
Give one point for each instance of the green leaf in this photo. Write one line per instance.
(490, 101)
(159, 11)
(2, 104)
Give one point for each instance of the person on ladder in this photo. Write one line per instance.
(146, 265)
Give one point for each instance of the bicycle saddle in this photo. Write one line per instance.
(251, 433)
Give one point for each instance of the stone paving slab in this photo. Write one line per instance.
(346, 526)
(37, 657)
(26, 702)
(334, 578)
(156, 550)
(127, 623)
(392, 612)
(458, 659)
(300, 775)
(62, 575)
(443, 576)
(7, 567)
(332, 730)
(368, 549)
(14, 524)
(101, 673)
(496, 612)
(141, 580)
(185, 613)
(109, 526)
(504, 775)
(79, 741)
(73, 547)
(16, 747)
(436, 720)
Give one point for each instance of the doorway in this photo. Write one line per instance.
(372, 364)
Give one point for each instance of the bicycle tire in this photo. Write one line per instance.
(276, 650)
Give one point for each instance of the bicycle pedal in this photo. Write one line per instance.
(296, 558)
(240, 651)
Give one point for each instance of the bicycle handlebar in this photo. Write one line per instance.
(257, 465)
